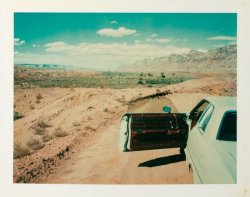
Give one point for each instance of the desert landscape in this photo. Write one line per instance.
(77, 74)
(66, 132)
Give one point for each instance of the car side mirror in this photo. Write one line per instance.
(166, 109)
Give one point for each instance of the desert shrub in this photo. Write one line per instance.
(35, 144)
(59, 132)
(78, 129)
(46, 137)
(150, 74)
(66, 86)
(39, 130)
(105, 110)
(17, 115)
(32, 107)
(140, 81)
(43, 124)
(89, 118)
(76, 124)
(121, 100)
(20, 151)
(39, 96)
(170, 80)
(89, 128)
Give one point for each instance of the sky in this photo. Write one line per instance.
(105, 41)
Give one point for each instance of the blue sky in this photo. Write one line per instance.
(105, 41)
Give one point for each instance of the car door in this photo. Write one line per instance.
(147, 131)
(199, 147)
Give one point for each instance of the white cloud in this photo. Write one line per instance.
(136, 35)
(58, 46)
(113, 22)
(229, 38)
(18, 41)
(35, 45)
(155, 38)
(153, 35)
(232, 43)
(149, 40)
(106, 56)
(120, 32)
(163, 40)
(160, 40)
(180, 40)
(202, 50)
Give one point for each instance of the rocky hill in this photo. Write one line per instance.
(220, 59)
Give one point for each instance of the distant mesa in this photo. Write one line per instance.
(220, 59)
(48, 66)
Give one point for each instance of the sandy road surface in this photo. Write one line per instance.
(90, 116)
(102, 162)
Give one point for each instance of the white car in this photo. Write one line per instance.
(208, 134)
(212, 142)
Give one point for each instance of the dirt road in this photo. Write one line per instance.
(101, 162)
(90, 117)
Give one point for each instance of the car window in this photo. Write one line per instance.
(202, 107)
(197, 112)
(205, 118)
(228, 129)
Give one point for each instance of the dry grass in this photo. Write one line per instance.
(20, 151)
(59, 132)
(43, 124)
(89, 128)
(35, 144)
(78, 129)
(105, 110)
(32, 107)
(76, 124)
(89, 118)
(39, 96)
(39, 130)
(47, 137)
